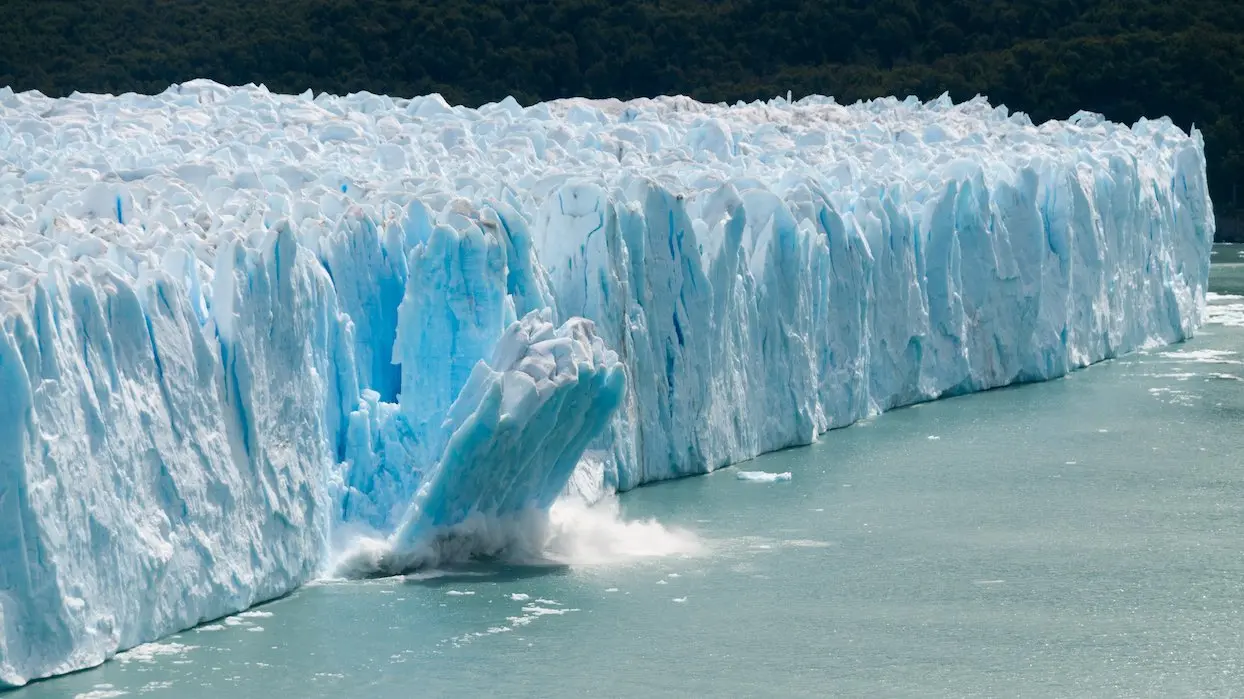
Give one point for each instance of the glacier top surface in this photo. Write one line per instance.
(200, 162)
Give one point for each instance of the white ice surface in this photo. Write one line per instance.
(239, 329)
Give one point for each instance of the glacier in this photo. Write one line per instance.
(248, 338)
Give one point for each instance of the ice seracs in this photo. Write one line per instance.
(237, 326)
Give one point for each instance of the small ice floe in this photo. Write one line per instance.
(532, 612)
(460, 593)
(763, 476)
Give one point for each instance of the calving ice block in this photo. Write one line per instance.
(244, 332)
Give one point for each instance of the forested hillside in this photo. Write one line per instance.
(1050, 58)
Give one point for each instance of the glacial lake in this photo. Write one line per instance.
(1083, 537)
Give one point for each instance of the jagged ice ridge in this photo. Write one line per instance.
(243, 332)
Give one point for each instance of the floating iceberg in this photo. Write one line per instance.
(238, 326)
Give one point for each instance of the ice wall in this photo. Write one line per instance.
(155, 471)
(242, 330)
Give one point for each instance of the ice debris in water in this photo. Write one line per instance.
(1224, 309)
(246, 335)
(148, 652)
(763, 476)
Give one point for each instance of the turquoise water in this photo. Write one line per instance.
(1083, 537)
(1227, 269)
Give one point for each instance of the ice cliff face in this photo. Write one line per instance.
(240, 329)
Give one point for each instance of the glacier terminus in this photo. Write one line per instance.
(251, 339)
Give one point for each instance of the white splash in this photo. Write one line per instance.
(571, 532)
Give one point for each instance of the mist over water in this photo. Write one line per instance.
(1082, 537)
(600, 535)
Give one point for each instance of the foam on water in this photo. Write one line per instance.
(148, 652)
(1206, 356)
(763, 476)
(105, 693)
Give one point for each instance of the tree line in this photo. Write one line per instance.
(1049, 58)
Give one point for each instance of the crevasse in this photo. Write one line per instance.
(242, 331)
